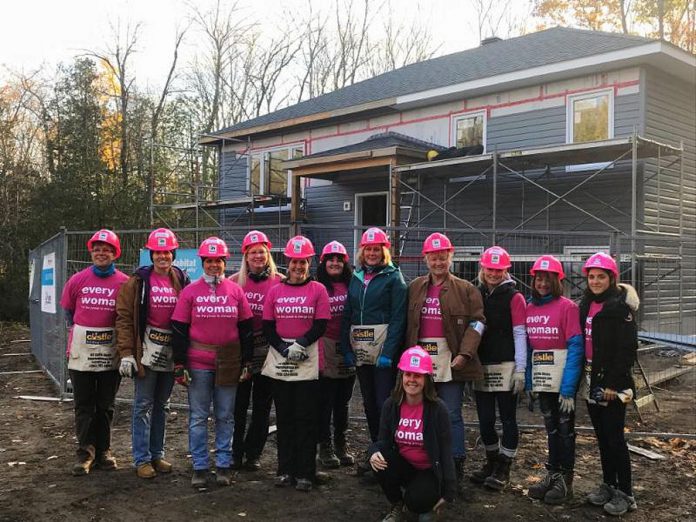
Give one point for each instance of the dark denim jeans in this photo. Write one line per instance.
(507, 408)
(256, 391)
(335, 394)
(560, 431)
(375, 386)
(608, 422)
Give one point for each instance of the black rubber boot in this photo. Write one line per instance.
(480, 476)
(501, 474)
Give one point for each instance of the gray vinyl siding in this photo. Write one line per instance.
(670, 117)
(233, 175)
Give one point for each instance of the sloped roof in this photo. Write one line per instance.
(546, 47)
(379, 141)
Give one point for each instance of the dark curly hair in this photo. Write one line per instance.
(326, 280)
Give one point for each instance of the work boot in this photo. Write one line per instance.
(620, 503)
(146, 471)
(162, 466)
(83, 464)
(223, 476)
(344, 458)
(304, 485)
(237, 462)
(283, 481)
(396, 513)
(199, 478)
(501, 474)
(561, 489)
(321, 478)
(538, 490)
(327, 458)
(480, 476)
(253, 464)
(107, 461)
(601, 495)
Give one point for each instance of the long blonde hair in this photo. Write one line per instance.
(243, 273)
(386, 255)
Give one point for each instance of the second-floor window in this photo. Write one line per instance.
(590, 117)
(266, 174)
(470, 130)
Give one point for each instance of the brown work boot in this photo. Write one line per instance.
(84, 463)
(162, 466)
(106, 461)
(145, 471)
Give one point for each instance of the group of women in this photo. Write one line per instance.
(259, 337)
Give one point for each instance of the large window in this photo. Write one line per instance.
(590, 117)
(470, 130)
(266, 173)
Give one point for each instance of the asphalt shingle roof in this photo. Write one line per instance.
(546, 47)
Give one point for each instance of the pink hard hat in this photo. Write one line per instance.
(213, 247)
(162, 240)
(601, 260)
(375, 236)
(495, 257)
(108, 237)
(299, 247)
(416, 360)
(548, 263)
(334, 249)
(437, 243)
(255, 237)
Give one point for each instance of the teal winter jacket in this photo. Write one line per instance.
(383, 301)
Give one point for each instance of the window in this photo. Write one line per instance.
(590, 117)
(470, 130)
(266, 173)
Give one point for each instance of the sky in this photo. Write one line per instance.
(35, 33)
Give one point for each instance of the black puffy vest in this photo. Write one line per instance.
(497, 344)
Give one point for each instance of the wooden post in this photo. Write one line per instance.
(295, 196)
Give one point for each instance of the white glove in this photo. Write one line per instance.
(567, 404)
(297, 352)
(128, 367)
(518, 380)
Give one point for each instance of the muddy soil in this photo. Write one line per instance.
(37, 449)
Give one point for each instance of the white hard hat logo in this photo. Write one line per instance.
(254, 238)
(161, 241)
(415, 361)
(102, 235)
(436, 243)
(544, 264)
(334, 247)
(495, 259)
(297, 247)
(212, 249)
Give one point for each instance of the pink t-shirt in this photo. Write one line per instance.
(550, 325)
(518, 310)
(595, 308)
(294, 308)
(92, 299)
(163, 298)
(212, 315)
(337, 302)
(431, 314)
(255, 293)
(409, 436)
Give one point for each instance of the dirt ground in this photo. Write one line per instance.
(37, 449)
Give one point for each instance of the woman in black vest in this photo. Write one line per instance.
(503, 354)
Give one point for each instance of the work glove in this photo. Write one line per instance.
(531, 397)
(128, 367)
(518, 381)
(297, 352)
(383, 362)
(566, 404)
(349, 359)
(181, 375)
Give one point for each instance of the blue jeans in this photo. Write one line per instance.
(201, 392)
(452, 393)
(149, 416)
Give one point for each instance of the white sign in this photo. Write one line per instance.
(48, 284)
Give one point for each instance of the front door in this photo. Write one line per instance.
(371, 210)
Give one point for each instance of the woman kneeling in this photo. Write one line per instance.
(414, 447)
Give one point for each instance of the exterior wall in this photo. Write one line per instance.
(670, 117)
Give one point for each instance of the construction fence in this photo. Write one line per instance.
(661, 267)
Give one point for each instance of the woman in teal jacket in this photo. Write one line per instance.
(374, 324)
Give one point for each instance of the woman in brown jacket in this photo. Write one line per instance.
(445, 317)
(143, 326)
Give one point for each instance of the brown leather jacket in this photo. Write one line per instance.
(460, 304)
(129, 315)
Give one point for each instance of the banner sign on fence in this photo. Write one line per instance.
(48, 284)
(186, 258)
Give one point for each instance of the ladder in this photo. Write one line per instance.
(407, 214)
